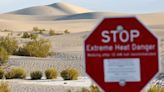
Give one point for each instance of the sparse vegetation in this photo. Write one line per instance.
(18, 73)
(36, 75)
(52, 32)
(51, 73)
(35, 29)
(153, 89)
(36, 48)
(94, 88)
(85, 90)
(9, 75)
(2, 72)
(34, 36)
(3, 56)
(10, 44)
(29, 35)
(66, 32)
(70, 74)
(26, 35)
(40, 31)
(4, 87)
(7, 30)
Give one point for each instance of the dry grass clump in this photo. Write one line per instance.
(4, 56)
(36, 75)
(4, 87)
(35, 48)
(155, 88)
(51, 73)
(70, 74)
(9, 44)
(16, 73)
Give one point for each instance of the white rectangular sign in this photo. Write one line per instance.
(116, 70)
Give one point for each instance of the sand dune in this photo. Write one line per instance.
(61, 16)
(53, 9)
(73, 22)
(69, 8)
(90, 15)
(39, 10)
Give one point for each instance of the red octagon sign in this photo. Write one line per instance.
(121, 55)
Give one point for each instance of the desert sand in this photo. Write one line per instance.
(68, 48)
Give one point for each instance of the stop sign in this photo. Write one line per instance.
(121, 55)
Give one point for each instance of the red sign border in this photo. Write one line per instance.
(94, 28)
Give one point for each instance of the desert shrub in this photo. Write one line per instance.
(94, 88)
(9, 75)
(29, 35)
(7, 30)
(22, 52)
(18, 73)
(33, 36)
(41, 31)
(52, 33)
(153, 89)
(36, 75)
(26, 35)
(51, 73)
(70, 74)
(1, 73)
(36, 48)
(8, 43)
(4, 56)
(65, 75)
(85, 90)
(4, 87)
(73, 74)
(38, 30)
(66, 32)
(35, 29)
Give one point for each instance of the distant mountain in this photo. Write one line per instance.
(53, 9)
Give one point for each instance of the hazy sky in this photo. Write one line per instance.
(132, 6)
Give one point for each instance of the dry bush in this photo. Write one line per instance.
(2, 72)
(4, 87)
(16, 73)
(51, 73)
(36, 48)
(70, 74)
(4, 56)
(52, 32)
(10, 44)
(36, 75)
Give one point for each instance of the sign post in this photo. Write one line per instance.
(121, 55)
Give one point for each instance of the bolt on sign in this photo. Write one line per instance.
(121, 55)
